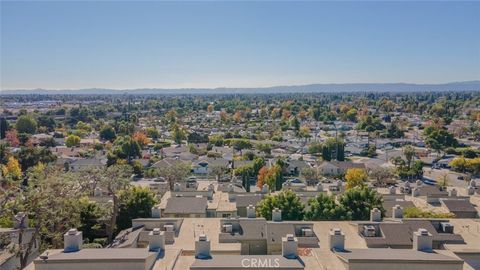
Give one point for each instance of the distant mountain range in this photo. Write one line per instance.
(320, 88)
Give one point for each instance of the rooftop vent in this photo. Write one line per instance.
(446, 227)
(369, 231)
(307, 232)
(227, 228)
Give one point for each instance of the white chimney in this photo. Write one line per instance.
(72, 241)
(265, 188)
(20, 221)
(202, 247)
(422, 240)
(251, 211)
(407, 184)
(392, 190)
(277, 215)
(156, 240)
(452, 193)
(169, 227)
(375, 215)
(473, 183)
(319, 187)
(415, 192)
(97, 192)
(227, 228)
(418, 182)
(176, 187)
(156, 212)
(231, 188)
(336, 239)
(397, 211)
(470, 190)
(339, 184)
(290, 246)
(211, 187)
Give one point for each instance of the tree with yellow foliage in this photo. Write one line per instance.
(12, 169)
(355, 177)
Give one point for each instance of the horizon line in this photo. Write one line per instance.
(234, 87)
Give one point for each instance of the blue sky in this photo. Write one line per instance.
(123, 44)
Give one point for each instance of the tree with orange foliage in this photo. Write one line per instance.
(210, 108)
(262, 175)
(12, 138)
(237, 116)
(141, 138)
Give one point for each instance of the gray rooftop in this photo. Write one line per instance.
(186, 205)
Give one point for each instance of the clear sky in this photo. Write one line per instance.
(120, 44)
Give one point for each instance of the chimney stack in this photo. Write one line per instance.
(277, 215)
(336, 239)
(156, 212)
(452, 193)
(419, 183)
(473, 183)
(470, 190)
(265, 188)
(290, 246)
(176, 187)
(231, 188)
(375, 215)
(20, 221)
(397, 211)
(319, 187)
(156, 240)
(202, 247)
(407, 184)
(72, 241)
(416, 192)
(392, 190)
(251, 211)
(211, 187)
(97, 192)
(422, 240)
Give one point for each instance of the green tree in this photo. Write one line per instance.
(90, 215)
(174, 173)
(135, 202)
(178, 134)
(32, 156)
(358, 202)
(324, 207)
(72, 140)
(245, 172)
(26, 124)
(127, 148)
(108, 133)
(409, 153)
(287, 201)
